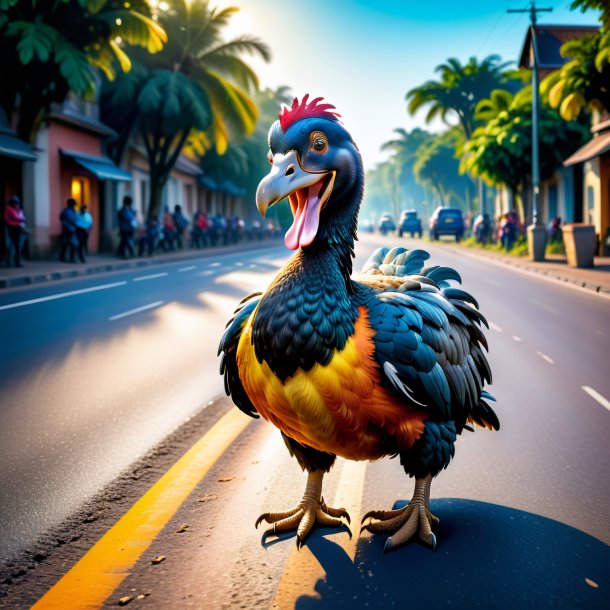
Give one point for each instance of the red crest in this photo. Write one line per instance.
(303, 110)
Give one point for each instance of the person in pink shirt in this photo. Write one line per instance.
(16, 231)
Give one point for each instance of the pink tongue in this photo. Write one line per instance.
(306, 220)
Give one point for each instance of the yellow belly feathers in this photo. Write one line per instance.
(340, 408)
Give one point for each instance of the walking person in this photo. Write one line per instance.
(84, 224)
(181, 223)
(69, 241)
(16, 231)
(127, 228)
(203, 225)
(169, 231)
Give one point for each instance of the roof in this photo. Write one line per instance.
(550, 38)
(12, 146)
(76, 119)
(593, 148)
(186, 166)
(102, 168)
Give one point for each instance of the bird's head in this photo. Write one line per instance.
(315, 163)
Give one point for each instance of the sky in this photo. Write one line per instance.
(364, 55)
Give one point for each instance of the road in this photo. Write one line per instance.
(93, 379)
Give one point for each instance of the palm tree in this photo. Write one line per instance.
(194, 91)
(399, 176)
(459, 89)
(51, 48)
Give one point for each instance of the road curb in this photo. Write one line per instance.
(550, 274)
(122, 265)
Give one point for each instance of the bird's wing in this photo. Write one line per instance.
(228, 349)
(428, 338)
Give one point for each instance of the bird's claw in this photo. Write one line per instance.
(303, 518)
(415, 519)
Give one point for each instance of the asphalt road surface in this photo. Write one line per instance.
(95, 372)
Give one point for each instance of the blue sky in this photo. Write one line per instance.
(363, 55)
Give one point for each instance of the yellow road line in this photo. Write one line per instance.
(303, 570)
(97, 575)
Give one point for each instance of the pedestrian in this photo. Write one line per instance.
(69, 241)
(15, 231)
(127, 228)
(554, 230)
(84, 224)
(181, 223)
(169, 231)
(203, 227)
(149, 236)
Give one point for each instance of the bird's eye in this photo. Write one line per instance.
(270, 158)
(318, 142)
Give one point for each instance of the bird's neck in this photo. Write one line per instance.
(306, 314)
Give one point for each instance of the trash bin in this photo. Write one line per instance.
(579, 243)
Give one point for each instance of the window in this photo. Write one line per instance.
(81, 190)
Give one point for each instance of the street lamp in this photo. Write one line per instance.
(536, 232)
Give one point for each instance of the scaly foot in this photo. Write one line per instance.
(403, 523)
(310, 511)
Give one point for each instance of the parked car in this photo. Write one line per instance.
(386, 223)
(409, 223)
(447, 221)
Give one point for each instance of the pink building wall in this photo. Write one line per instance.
(61, 171)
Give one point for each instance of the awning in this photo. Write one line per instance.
(102, 168)
(594, 148)
(208, 183)
(226, 186)
(12, 146)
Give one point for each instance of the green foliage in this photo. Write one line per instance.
(192, 94)
(51, 48)
(438, 166)
(500, 151)
(584, 81)
(459, 89)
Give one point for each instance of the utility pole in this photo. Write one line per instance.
(536, 232)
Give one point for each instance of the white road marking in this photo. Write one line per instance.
(207, 273)
(495, 327)
(217, 264)
(597, 396)
(62, 295)
(492, 282)
(545, 357)
(517, 339)
(136, 310)
(149, 277)
(543, 305)
(238, 264)
(187, 268)
(252, 266)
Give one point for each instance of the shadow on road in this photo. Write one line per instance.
(488, 556)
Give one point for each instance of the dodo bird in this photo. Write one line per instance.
(388, 362)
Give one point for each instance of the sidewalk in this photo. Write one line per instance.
(38, 271)
(555, 267)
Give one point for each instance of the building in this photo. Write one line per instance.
(561, 194)
(593, 160)
(70, 163)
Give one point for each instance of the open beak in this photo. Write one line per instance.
(307, 193)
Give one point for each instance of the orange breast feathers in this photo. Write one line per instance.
(341, 407)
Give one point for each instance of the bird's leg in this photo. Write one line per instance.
(310, 510)
(403, 523)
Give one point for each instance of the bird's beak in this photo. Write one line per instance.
(307, 193)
